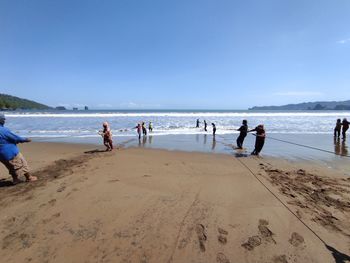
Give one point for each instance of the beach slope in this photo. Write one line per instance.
(145, 205)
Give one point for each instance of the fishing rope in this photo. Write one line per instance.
(278, 199)
(305, 146)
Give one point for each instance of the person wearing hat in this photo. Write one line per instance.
(10, 155)
(107, 136)
(260, 139)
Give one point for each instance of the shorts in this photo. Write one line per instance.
(18, 166)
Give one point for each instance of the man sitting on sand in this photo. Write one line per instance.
(10, 155)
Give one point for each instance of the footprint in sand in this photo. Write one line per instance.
(52, 202)
(113, 180)
(296, 240)
(280, 259)
(221, 258)
(222, 236)
(147, 175)
(202, 237)
(61, 188)
(265, 232)
(252, 242)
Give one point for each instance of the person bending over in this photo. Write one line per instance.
(10, 155)
(260, 139)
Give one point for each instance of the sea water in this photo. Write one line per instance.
(175, 129)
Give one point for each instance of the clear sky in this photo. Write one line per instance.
(214, 54)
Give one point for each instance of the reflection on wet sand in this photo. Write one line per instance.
(213, 145)
(340, 148)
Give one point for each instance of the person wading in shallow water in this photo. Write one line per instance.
(205, 125)
(10, 155)
(214, 128)
(260, 139)
(243, 130)
(337, 128)
(139, 130)
(144, 130)
(106, 133)
(345, 125)
(197, 123)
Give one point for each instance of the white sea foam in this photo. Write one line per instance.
(179, 114)
(72, 124)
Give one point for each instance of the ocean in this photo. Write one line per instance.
(175, 130)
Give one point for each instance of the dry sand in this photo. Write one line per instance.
(143, 205)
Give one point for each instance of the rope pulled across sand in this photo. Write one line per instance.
(143, 205)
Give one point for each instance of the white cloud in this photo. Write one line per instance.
(298, 93)
(343, 41)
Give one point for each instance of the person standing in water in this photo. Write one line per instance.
(337, 128)
(205, 125)
(106, 133)
(197, 123)
(260, 139)
(243, 130)
(139, 130)
(144, 130)
(150, 127)
(214, 128)
(11, 157)
(345, 125)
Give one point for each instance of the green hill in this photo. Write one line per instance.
(8, 102)
(318, 105)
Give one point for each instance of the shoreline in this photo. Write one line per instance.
(224, 145)
(148, 205)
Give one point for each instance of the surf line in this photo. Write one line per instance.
(279, 200)
(305, 146)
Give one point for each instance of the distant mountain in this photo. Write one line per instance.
(318, 105)
(8, 102)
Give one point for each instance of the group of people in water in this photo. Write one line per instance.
(341, 126)
(141, 129)
(243, 131)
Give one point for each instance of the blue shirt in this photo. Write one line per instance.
(8, 141)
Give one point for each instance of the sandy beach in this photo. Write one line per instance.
(149, 205)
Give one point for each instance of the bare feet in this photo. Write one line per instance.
(31, 178)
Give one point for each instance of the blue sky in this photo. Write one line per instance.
(214, 54)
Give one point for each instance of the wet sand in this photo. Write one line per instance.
(148, 205)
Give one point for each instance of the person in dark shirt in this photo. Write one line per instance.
(144, 130)
(337, 128)
(205, 125)
(139, 130)
(345, 125)
(10, 155)
(260, 139)
(214, 128)
(243, 130)
(197, 123)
